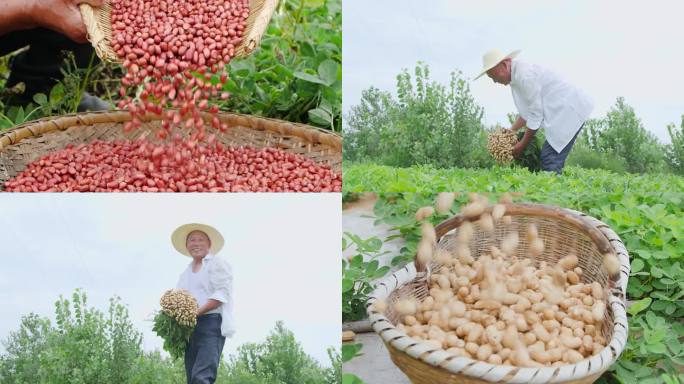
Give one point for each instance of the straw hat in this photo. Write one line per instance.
(492, 58)
(180, 236)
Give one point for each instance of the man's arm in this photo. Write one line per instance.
(62, 16)
(522, 144)
(519, 123)
(211, 304)
(221, 283)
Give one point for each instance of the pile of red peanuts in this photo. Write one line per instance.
(174, 53)
(142, 166)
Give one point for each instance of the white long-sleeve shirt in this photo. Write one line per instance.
(213, 281)
(546, 100)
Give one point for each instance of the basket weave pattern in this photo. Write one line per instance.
(28, 142)
(426, 365)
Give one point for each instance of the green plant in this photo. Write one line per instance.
(176, 336)
(65, 96)
(278, 360)
(350, 351)
(583, 156)
(427, 123)
(531, 156)
(296, 73)
(83, 346)
(16, 115)
(621, 134)
(675, 150)
(359, 177)
(358, 274)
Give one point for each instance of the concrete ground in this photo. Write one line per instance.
(374, 366)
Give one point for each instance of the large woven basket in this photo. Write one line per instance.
(26, 143)
(562, 230)
(99, 26)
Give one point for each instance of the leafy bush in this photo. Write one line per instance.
(87, 346)
(296, 73)
(675, 151)
(622, 135)
(278, 360)
(83, 346)
(428, 123)
(585, 157)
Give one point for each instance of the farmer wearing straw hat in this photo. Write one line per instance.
(47, 27)
(209, 279)
(544, 100)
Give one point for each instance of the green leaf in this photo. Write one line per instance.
(350, 351)
(639, 306)
(320, 117)
(348, 378)
(656, 272)
(347, 285)
(327, 71)
(40, 99)
(637, 265)
(656, 348)
(309, 77)
(380, 272)
(57, 94)
(314, 3)
(372, 267)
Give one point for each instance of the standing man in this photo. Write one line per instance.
(544, 100)
(209, 279)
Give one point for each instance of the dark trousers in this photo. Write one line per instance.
(553, 161)
(203, 353)
(39, 68)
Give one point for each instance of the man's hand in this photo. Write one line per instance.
(62, 16)
(518, 149)
(519, 123)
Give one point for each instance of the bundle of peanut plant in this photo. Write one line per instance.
(176, 321)
(500, 145)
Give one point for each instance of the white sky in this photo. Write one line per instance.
(609, 48)
(284, 250)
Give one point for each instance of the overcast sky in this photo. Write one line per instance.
(284, 250)
(610, 48)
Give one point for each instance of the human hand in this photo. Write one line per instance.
(518, 149)
(62, 16)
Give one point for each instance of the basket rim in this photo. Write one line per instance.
(38, 127)
(460, 365)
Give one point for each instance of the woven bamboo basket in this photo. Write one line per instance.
(99, 27)
(562, 230)
(26, 143)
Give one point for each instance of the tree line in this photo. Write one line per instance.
(86, 346)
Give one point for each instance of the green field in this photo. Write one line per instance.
(573, 184)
